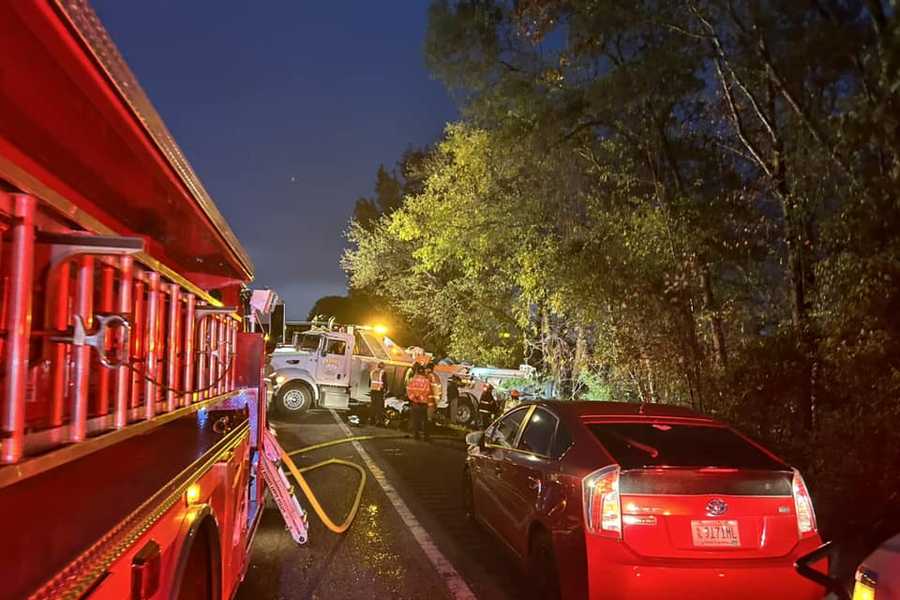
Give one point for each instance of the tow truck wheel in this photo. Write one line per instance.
(294, 399)
(465, 412)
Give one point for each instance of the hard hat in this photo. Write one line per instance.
(514, 393)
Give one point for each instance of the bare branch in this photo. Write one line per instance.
(678, 29)
(802, 114)
(738, 123)
(720, 50)
(735, 151)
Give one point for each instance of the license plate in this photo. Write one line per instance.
(716, 534)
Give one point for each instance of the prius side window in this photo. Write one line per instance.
(505, 430)
(538, 432)
(562, 441)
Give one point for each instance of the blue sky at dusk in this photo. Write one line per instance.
(285, 110)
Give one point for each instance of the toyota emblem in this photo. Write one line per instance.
(716, 507)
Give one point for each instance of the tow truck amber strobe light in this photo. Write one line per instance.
(192, 494)
(806, 516)
(602, 507)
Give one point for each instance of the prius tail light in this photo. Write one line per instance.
(806, 516)
(602, 504)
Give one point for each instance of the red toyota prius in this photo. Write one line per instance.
(608, 500)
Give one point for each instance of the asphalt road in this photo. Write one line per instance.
(427, 549)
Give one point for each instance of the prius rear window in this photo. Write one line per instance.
(636, 445)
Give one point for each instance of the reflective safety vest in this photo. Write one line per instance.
(418, 390)
(376, 380)
(436, 388)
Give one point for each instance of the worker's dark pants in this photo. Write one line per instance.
(485, 414)
(418, 420)
(376, 407)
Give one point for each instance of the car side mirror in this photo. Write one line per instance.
(475, 438)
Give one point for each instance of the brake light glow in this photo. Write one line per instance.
(602, 505)
(866, 584)
(806, 516)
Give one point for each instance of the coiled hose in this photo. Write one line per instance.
(297, 473)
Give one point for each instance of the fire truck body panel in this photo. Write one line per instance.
(132, 402)
(79, 133)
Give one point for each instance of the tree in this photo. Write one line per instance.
(690, 202)
(391, 187)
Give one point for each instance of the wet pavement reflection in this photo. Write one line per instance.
(377, 558)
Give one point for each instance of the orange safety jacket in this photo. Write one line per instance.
(376, 380)
(436, 388)
(418, 390)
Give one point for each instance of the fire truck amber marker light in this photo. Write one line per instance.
(192, 495)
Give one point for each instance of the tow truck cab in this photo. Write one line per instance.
(326, 368)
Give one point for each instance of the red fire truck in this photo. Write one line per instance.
(131, 414)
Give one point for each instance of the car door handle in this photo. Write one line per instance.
(294, 361)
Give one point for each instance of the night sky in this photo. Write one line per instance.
(285, 110)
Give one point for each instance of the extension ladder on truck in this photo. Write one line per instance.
(131, 393)
(118, 356)
(295, 518)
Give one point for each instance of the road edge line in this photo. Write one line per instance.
(456, 585)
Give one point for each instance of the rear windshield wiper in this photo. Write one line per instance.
(650, 450)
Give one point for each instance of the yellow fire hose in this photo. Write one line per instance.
(307, 490)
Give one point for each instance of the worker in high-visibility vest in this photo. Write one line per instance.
(418, 391)
(376, 395)
(436, 390)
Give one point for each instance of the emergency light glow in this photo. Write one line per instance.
(192, 495)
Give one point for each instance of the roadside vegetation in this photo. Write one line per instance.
(689, 202)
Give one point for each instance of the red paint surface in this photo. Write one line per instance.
(655, 558)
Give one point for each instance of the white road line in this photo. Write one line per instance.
(456, 585)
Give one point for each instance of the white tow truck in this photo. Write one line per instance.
(328, 367)
(320, 364)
